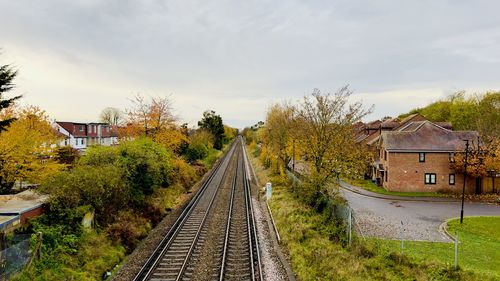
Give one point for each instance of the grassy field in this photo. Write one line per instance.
(370, 186)
(315, 255)
(478, 250)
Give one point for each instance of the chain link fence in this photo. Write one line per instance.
(15, 256)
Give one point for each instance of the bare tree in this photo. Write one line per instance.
(112, 116)
(153, 116)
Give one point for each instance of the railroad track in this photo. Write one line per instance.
(241, 258)
(176, 257)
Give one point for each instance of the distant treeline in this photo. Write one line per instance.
(480, 112)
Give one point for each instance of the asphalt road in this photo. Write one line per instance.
(421, 220)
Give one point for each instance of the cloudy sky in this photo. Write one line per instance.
(236, 57)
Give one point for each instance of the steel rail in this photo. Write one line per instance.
(195, 240)
(226, 238)
(254, 225)
(147, 269)
(248, 214)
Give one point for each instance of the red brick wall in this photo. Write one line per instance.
(406, 173)
(31, 214)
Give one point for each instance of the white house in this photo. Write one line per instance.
(82, 135)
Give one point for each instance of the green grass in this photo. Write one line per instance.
(370, 186)
(478, 250)
(315, 256)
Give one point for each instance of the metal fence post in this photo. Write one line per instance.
(350, 226)
(402, 239)
(456, 250)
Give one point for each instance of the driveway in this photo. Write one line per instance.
(379, 217)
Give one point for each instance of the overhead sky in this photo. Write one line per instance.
(236, 57)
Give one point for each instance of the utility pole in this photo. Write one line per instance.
(465, 178)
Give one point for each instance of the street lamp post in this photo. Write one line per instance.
(465, 178)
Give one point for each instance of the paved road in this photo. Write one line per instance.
(382, 218)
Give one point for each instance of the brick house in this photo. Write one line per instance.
(417, 156)
(82, 135)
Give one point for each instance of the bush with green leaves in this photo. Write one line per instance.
(196, 151)
(144, 164)
(99, 187)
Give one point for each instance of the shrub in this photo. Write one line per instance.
(183, 173)
(196, 151)
(128, 229)
(144, 164)
(101, 187)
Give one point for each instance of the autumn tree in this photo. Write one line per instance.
(213, 123)
(324, 130)
(150, 117)
(200, 144)
(7, 75)
(481, 158)
(229, 133)
(25, 148)
(173, 139)
(279, 132)
(112, 116)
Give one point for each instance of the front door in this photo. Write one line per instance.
(479, 186)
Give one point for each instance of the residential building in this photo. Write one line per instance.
(417, 156)
(82, 135)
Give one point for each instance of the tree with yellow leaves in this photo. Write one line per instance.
(323, 128)
(27, 148)
(278, 134)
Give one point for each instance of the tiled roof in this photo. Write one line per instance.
(426, 136)
(408, 119)
(73, 128)
(390, 123)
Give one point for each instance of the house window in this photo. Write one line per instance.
(451, 179)
(451, 157)
(385, 154)
(386, 175)
(430, 178)
(421, 157)
(81, 128)
(82, 141)
(65, 142)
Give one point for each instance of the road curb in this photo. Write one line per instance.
(399, 198)
(444, 229)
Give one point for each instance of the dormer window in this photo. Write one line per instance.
(81, 128)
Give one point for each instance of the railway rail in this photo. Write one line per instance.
(238, 256)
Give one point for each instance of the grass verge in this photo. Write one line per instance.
(478, 249)
(371, 186)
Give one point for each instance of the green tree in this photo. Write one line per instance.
(488, 117)
(7, 75)
(213, 123)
